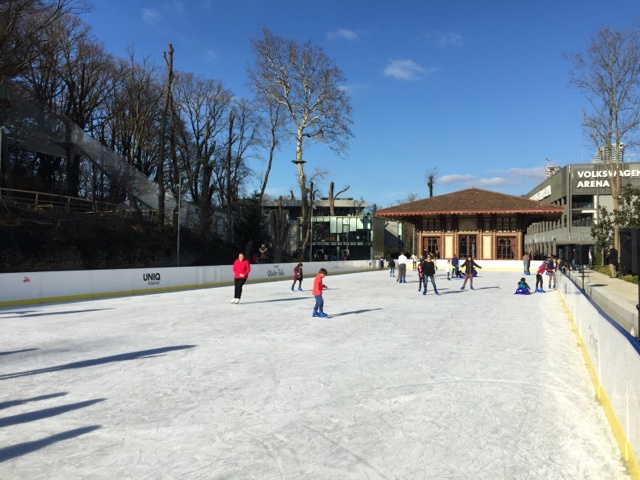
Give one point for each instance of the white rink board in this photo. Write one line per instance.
(38, 287)
(614, 356)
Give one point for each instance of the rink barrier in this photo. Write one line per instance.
(26, 288)
(612, 356)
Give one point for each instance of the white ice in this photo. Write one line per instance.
(478, 384)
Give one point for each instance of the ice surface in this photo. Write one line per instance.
(478, 384)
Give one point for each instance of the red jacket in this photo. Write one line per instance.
(318, 286)
(297, 274)
(241, 269)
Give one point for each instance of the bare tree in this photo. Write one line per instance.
(271, 129)
(430, 176)
(23, 26)
(279, 222)
(332, 198)
(204, 106)
(72, 76)
(307, 84)
(608, 74)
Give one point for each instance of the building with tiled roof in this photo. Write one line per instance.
(486, 225)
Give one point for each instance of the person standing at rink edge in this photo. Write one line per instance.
(468, 266)
(241, 269)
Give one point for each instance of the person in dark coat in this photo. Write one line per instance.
(298, 276)
(612, 261)
(429, 272)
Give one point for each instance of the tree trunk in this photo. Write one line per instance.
(279, 222)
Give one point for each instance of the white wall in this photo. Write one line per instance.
(45, 287)
(613, 360)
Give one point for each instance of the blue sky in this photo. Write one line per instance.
(477, 89)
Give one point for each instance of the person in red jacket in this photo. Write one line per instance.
(241, 269)
(539, 283)
(298, 275)
(318, 287)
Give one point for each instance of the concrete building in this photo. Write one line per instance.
(350, 231)
(580, 189)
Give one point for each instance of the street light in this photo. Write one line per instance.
(179, 219)
(3, 131)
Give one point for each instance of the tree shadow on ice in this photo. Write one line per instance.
(18, 351)
(15, 403)
(45, 413)
(7, 453)
(48, 314)
(154, 352)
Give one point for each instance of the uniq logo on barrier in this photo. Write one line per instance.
(276, 271)
(151, 278)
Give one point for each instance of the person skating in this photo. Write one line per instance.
(429, 272)
(539, 279)
(468, 266)
(241, 269)
(421, 280)
(551, 268)
(402, 268)
(297, 277)
(318, 287)
(455, 264)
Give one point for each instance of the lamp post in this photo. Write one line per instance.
(3, 130)
(179, 220)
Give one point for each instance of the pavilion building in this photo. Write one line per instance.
(483, 224)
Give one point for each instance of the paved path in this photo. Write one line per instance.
(618, 298)
(478, 384)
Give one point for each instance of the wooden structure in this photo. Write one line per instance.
(486, 225)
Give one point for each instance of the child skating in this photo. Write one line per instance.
(297, 277)
(469, 265)
(420, 277)
(539, 278)
(318, 287)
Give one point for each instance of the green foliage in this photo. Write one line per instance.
(628, 213)
(250, 225)
(603, 231)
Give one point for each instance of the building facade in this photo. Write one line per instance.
(580, 189)
(478, 223)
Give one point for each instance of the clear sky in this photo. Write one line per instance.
(477, 89)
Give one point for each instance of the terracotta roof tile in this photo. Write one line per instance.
(471, 201)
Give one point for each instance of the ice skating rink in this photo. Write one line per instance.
(478, 384)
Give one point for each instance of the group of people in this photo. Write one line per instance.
(426, 267)
(242, 268)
